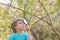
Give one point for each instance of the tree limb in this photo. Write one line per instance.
(49, 19)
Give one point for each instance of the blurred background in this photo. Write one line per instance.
(43, 17)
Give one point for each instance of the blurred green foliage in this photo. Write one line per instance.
(38, 21)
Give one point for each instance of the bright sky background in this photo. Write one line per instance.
(4, 1)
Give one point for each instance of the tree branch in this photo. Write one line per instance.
(49, 19)
(27, 12)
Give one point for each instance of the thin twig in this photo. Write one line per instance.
(25, 7)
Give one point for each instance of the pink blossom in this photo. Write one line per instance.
(37, 8)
